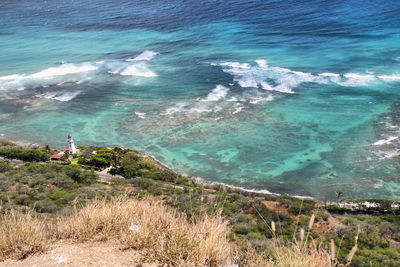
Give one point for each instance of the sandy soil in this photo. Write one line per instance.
(84, 254)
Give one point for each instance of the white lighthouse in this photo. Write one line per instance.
(71, 145)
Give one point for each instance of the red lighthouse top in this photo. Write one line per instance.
(69, 136)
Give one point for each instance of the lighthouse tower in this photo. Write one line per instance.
(71, 145)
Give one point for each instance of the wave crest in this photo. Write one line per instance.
(285, 80)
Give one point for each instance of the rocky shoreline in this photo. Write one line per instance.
(359, 206)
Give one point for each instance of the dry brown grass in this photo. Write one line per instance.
(299, 255)
(21, 235)
(165, 236)
(162, 236)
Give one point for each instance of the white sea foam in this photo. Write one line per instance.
(236, 65)
(63, 97)
(262, 63)
(199, 109)
(140, 70)
(217, 93)
(285, 80)
(69, 72)
(359, 76)
(141, 115)
(389, 78)
(47, 77)
(264, 191)
(385, 141)
(356, 79)
(239, 108)
(378, 184)
(64, 69)
(328, 74)
(11, 77)
(144, 56)
(259, 99)
(177, 108)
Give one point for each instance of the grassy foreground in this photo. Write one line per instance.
(174, 221)
(164, 236)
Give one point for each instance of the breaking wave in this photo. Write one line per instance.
(216, 94)
(145, 56)
(77, 73)
(63, 97)
(285, 80)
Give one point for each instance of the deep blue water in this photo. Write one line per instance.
(292, 97)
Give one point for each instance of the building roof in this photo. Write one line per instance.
(66, 148)
(57, 156)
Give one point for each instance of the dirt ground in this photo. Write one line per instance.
(83, 254)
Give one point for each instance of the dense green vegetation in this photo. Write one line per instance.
(29, 154)
(52, 187)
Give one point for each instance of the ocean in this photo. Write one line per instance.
(289, 97)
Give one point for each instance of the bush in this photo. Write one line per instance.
(5, 166)
(26, 154)
(303, 206)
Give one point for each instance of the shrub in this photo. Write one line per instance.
(26, 154)
(5, 166)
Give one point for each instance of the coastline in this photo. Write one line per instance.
(197, 179)
(348, 204)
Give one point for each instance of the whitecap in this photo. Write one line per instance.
(217, 93)
(63, 97)
(239, 108)
(359, 76)
(141, 115)
(12, 77)
(199, 109)
(262, 63)
(177, 108)
(50, 76)
(232, 99)
(356, 79)
(385, 141)
(285, 80)
(378, 184)
(236, 65)
(268, 78)
(140, 70)
(62, 70)
(259, 99)
(389, 78)
(328, 74)
(144, 56)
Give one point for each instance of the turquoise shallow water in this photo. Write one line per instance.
(289, 97)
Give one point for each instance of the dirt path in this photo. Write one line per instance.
(105, 177)
(84, 254)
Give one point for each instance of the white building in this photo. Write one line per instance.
(71, 145)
